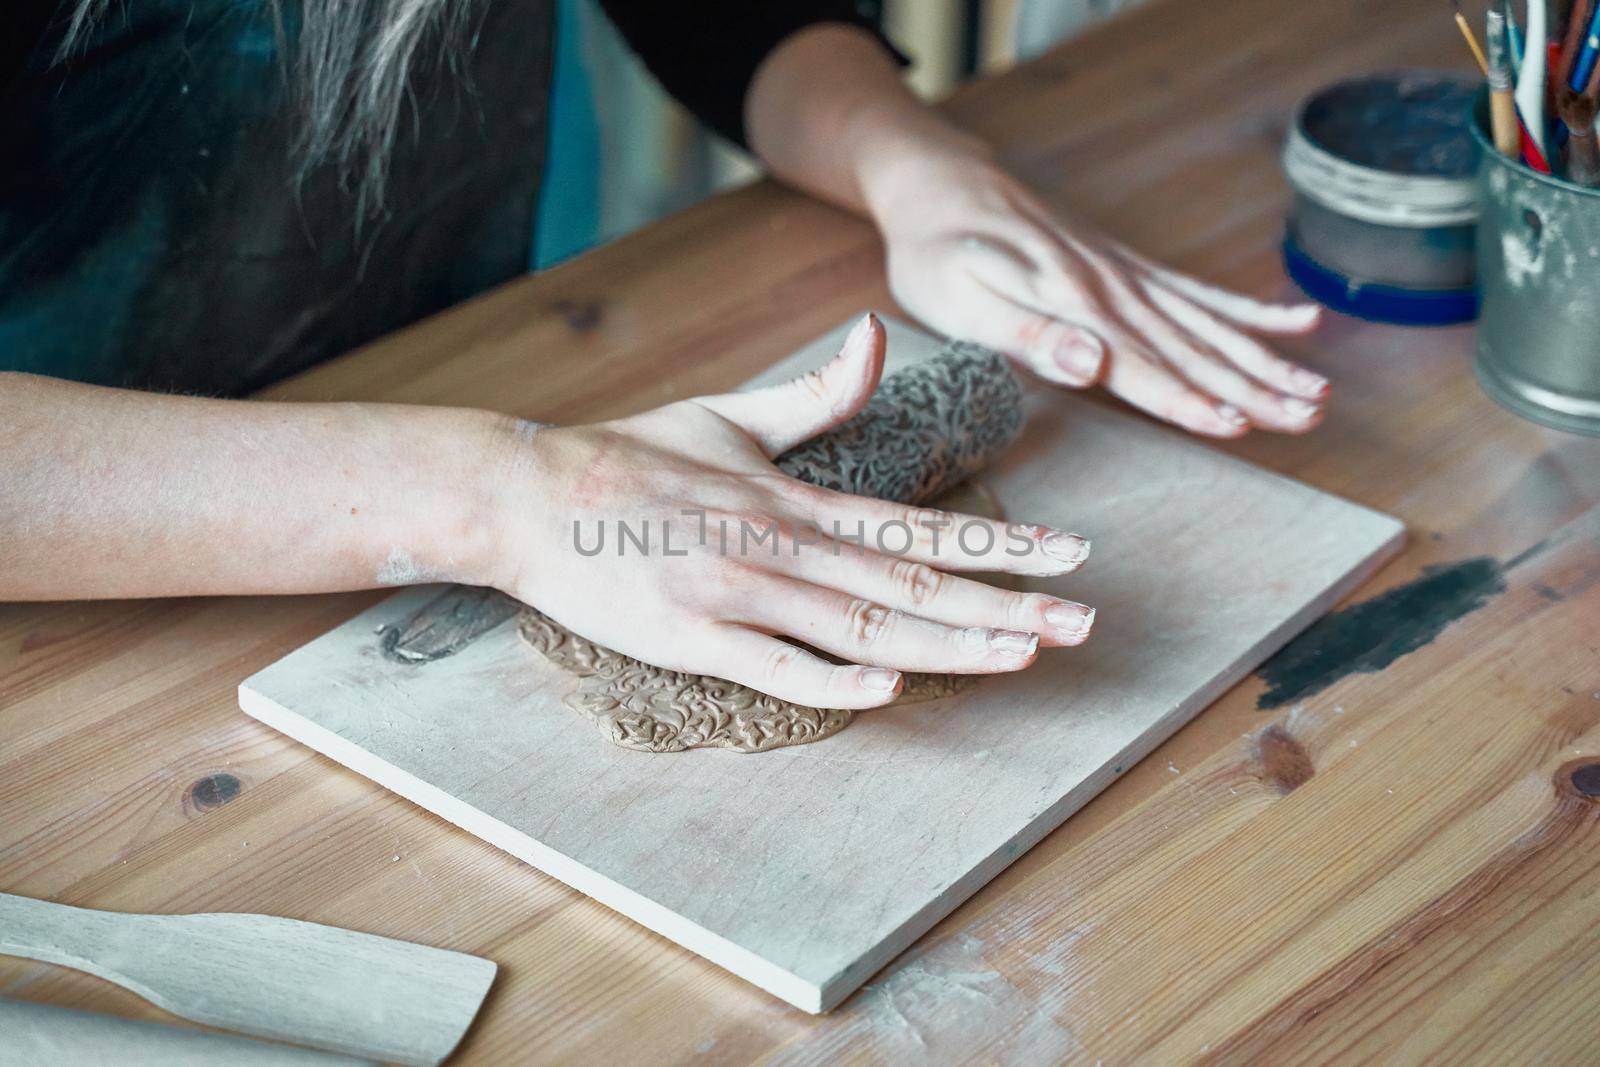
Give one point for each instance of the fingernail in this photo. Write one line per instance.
(1231, 415)
(1013, 642)
(858, 332)
(1308, 382)
(1067, 547)
(1300, 409)
(1080, 357)
(1070, 616)
(879, 678)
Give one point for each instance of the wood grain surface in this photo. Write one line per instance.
(1398, 866)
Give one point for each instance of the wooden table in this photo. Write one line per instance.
(1392, 867)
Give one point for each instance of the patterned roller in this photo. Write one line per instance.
(926, 429)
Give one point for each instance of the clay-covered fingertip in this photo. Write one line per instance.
(1295, 318)
(1308, 383)
(1218, 428)
(867, 328)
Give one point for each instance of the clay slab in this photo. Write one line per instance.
(804, 870)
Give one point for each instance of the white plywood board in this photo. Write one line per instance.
(806, 869)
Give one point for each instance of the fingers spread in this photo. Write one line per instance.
(1147, 382)
(1056, 351)
(789, 673)
(1244, 351)
(1131, 334)
(944, 539)
(918, 589)
(781, 416)
(1247, 311)
(866, 632)
(1160, 364)
(1207, 369)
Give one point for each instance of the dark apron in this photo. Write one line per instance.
(151, 233)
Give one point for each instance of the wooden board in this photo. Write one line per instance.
(804, 870)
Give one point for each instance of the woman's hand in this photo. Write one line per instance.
(708, 597)
(975, 254)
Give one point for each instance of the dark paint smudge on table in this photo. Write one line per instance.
(1365, 638)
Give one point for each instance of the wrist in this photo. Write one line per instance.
(906, 169)
(509, 500)
(453, 472)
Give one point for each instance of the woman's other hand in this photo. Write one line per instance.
(974, 253)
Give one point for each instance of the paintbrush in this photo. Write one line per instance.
(1502, 106)
(1578, 109)
(1570, 32)
(1470, 37)
(1583, 152)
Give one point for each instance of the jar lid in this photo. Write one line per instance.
(1393, 149)
(1374, 301)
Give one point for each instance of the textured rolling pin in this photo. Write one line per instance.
(927, 428)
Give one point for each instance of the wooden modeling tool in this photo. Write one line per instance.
(1502, 104)
(283, 979)
(1470, 37)
(47, 1034)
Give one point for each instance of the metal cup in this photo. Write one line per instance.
(1538, 244)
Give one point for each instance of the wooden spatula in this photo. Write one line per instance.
(33, 1034)
(279, 978)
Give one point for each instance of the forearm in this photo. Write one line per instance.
(111, 493)
(828, 113)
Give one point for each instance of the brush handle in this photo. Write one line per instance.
(1503, 120)
(1583, 159)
